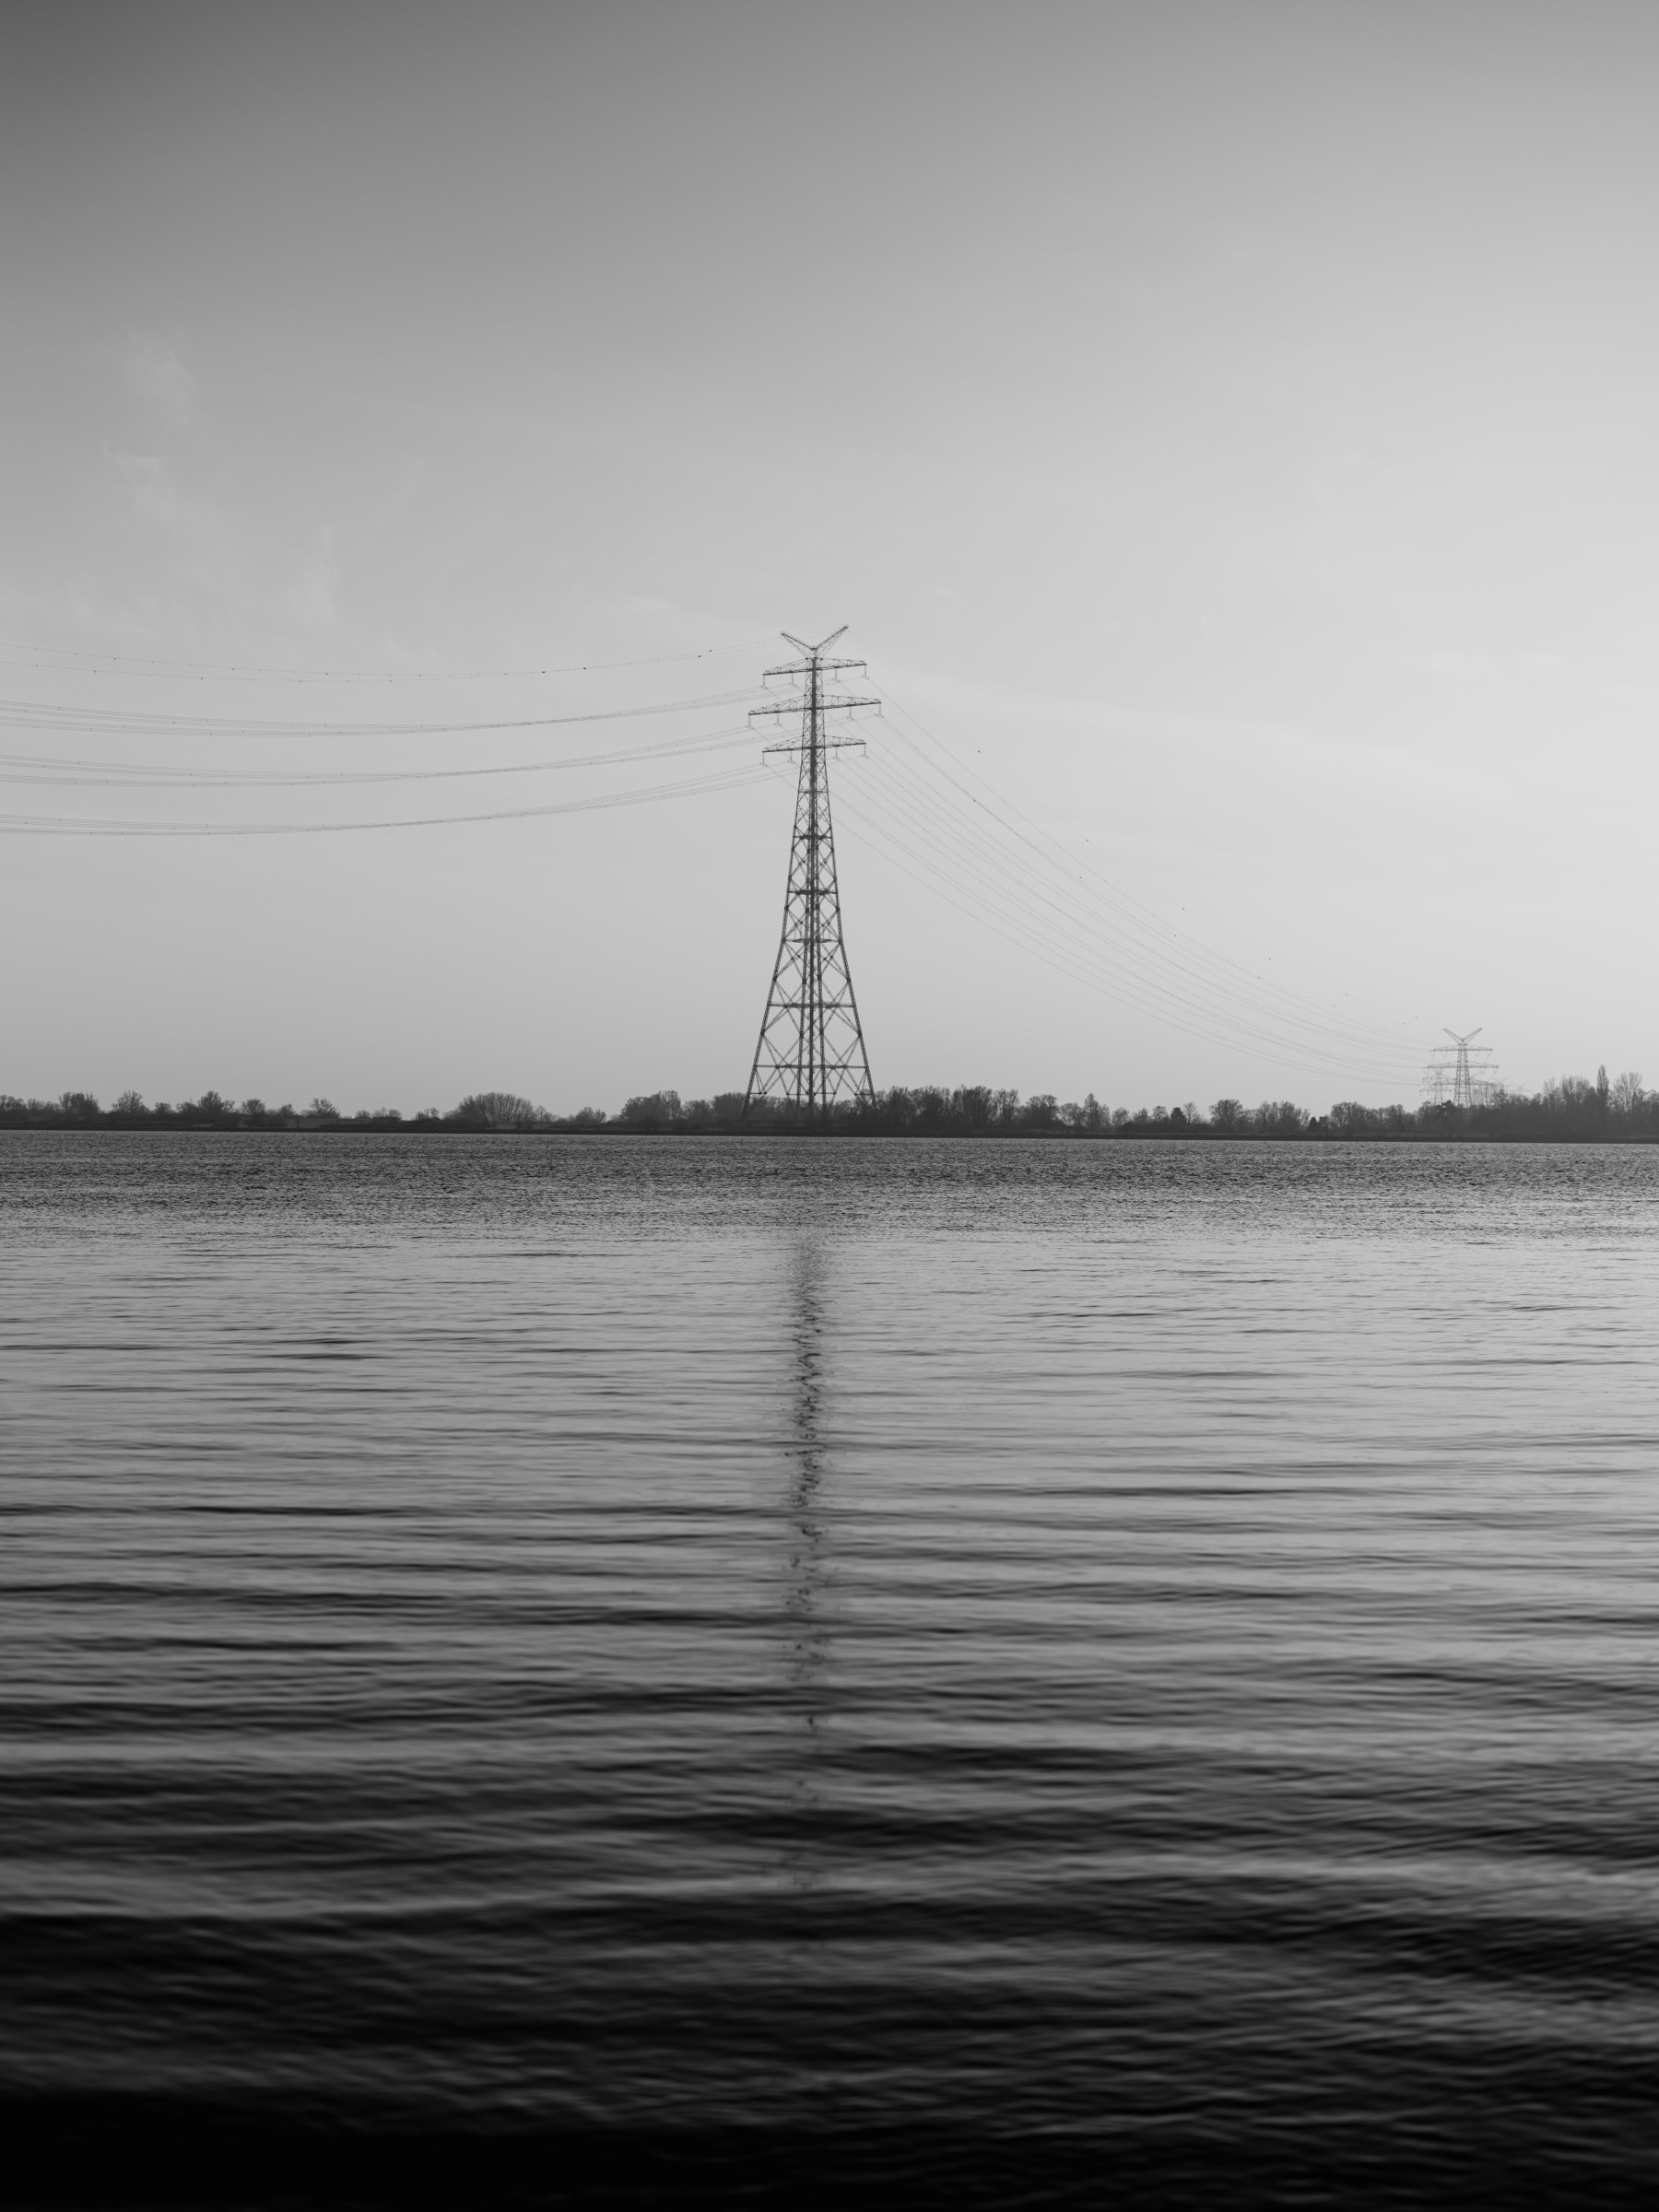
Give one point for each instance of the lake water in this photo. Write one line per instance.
(1138, 1661)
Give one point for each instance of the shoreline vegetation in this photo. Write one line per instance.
(1568, 1110)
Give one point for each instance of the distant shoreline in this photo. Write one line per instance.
(1569, 1109)
(426, 1131)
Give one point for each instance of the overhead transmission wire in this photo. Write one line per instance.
(1072, 937)
(1225, 972)
(41, 714)
(1073, 914)
(1125, 916)
(1149, 935)
(97, 661)
(1057, 943)
(969, 896)
(729, 779)
(1069, 932)
(37, 768)
(1005, 883)
(1070, 954)
(39, 771)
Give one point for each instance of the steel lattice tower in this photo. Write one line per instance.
(811, 1047)
(1463, 1081)
(1460, 1073)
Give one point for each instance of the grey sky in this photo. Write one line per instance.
(1229, 428)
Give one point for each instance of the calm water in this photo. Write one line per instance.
(1143, 1649)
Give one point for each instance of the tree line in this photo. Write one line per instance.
(486, 1110)
(1568, 1109)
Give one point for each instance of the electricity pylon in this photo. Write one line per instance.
(811, 1047)
(1462, 1083)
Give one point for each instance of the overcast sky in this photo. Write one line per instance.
(1229, 431)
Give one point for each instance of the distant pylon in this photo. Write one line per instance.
(811, 1047)
(1462, 1083)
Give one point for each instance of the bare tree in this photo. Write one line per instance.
(501, 1110)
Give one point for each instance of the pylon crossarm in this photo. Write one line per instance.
(811, 666)
(826, 745)
(825, 706)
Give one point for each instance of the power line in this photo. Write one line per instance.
(942, 822)
(97, 661)
(956, 844)
(38, 770)
(1054, 916)
(35, 715)
(986, 904)
(730, 779)
(1229, 973)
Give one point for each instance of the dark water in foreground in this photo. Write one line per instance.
(1142, 1654)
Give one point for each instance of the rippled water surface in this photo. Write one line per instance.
(1146, 1646)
